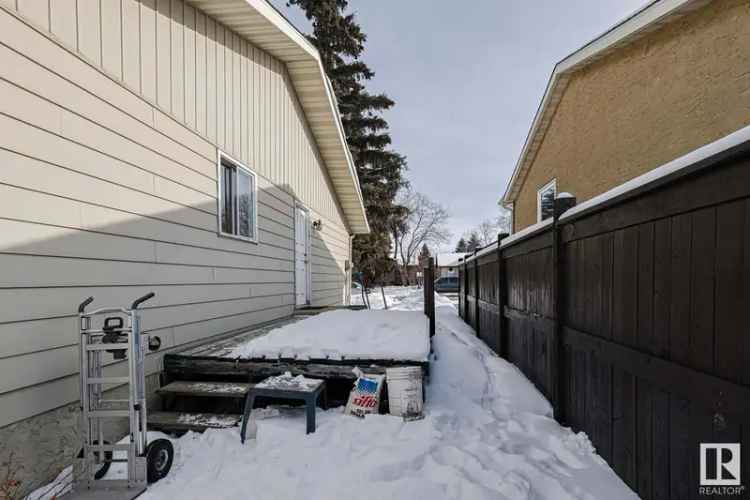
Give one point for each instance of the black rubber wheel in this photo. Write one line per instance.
(105, 466)
(159, 456)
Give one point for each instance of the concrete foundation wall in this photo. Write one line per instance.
(669, 93)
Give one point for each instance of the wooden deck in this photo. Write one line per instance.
(215, 360)
(205, 386)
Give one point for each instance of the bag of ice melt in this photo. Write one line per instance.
(365, 396)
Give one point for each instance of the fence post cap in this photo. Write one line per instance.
(563, 202)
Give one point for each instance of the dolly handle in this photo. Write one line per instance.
(83, 304)
(142, 300)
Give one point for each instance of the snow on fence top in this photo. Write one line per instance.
(372, 335)
(528, 231)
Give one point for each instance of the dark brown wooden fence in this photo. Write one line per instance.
(429, 293)
(631, 316)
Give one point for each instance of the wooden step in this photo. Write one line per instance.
(206, 389)
(182, 421)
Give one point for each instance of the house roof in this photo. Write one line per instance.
(449, 259)
(266, 28)
(646, 20)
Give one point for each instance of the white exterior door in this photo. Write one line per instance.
(301, 255)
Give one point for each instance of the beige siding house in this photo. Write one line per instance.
(673, 77)
(169, 146)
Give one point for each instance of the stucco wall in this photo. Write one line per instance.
(669, 93)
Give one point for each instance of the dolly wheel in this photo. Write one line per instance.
(159, 456)
(104, 464)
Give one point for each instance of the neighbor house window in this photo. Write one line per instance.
(237, 199)
(545, 201)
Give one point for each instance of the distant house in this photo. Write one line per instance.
(189, 148)
(446, 264)
(651, 89)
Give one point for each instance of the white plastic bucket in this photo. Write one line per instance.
(405, 391)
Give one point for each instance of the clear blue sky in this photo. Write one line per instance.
(467, 78)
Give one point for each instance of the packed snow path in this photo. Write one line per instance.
(487, 434)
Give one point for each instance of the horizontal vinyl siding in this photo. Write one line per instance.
(330, 251)
(108, 184)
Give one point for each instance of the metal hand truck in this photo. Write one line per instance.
(121, 336)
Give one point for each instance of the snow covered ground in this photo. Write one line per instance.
(487, 434)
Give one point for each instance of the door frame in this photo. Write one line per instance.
(308, 255)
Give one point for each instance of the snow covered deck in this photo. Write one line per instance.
(327, 345)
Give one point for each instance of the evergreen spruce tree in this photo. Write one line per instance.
(461, 246)
(340, 41)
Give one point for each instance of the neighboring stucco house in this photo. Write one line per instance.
(446, 264)
(671, 78)
(190, 148)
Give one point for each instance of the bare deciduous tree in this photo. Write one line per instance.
(486, 232)
(425, 225)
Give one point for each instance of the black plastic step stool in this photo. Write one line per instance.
(281, 388)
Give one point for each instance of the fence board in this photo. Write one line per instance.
(702, 289)
(623, 426)
(645, 285)
(730, 298)
(660, 444)
(662, 286)
(682, 468)
(625, 299)
(644, 437)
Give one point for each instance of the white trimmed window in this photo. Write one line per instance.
(545, 201)
(238, 206)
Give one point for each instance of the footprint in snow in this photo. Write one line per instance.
(515, 487)
(397, 470)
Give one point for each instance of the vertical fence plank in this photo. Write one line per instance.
(502, 334)
(625, 285)
(744, 347)
(682, 457)
(679, 323)
(461, 288)
(623, 426)
(645, 286)
(661, 433)
(644, 437)
(607, 277)
(703, 266)
(662, 288)
(429, 294)
(730, 305)
(475, 270)
(555, 365)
